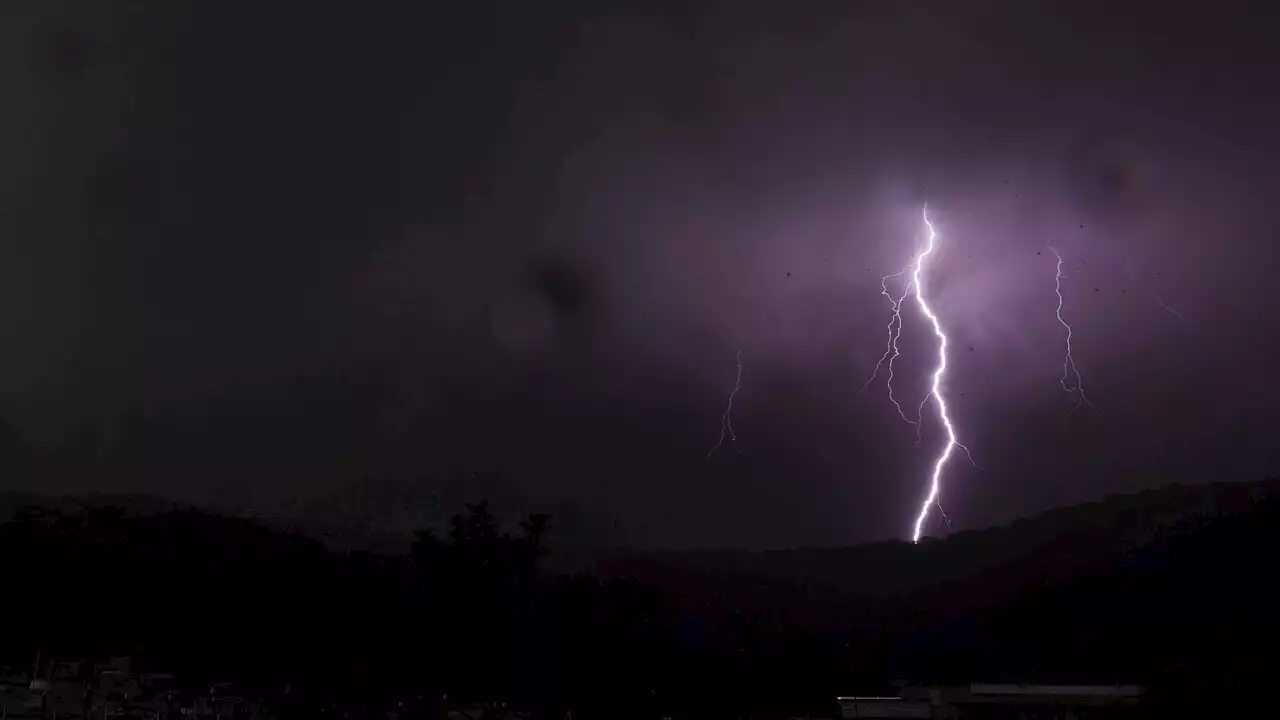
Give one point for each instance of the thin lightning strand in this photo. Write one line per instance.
(726, 419)
(920, 418)
(1068, 361)
(1128, 269)
(894, 331)
(935, 390)
(943, 513)
(1166, 308)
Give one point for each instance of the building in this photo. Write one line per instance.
(80, 690)
(985, 701)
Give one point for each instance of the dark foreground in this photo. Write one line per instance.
(1170, 590)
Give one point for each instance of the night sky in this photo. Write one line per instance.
(324, 253)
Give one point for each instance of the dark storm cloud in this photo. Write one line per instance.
(322, 245)
(562, 286)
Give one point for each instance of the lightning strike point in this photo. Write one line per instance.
(726, 418)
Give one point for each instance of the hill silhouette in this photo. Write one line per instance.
(1069, 539)
(1168, 588)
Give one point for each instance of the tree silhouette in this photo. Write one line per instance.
(474, 618)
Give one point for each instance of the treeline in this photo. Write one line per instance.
(472, 616)
(467, 617)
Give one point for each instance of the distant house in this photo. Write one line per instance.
(64, 670)
(116, 689)
(13, 690)
(884, 706)
(77, 690)
(485, 711)
(983, 700)
(56, 690)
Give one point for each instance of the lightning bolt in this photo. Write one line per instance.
(935, 389)
(726, 419)
(894, 331)
(1068, 361)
